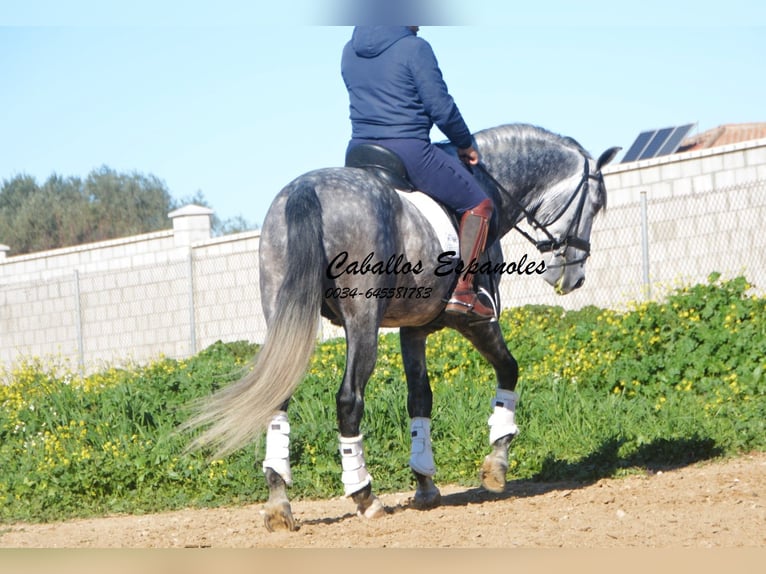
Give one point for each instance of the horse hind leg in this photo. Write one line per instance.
(361, 355)
(277, 514)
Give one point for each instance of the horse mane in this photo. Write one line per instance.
(526, 133)
(525, 153)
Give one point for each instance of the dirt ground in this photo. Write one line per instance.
(718, 504)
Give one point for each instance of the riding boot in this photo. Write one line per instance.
(474, 226)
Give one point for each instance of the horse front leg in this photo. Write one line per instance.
(502, 429)
(488, 340)
(419, 406)
(361, 354)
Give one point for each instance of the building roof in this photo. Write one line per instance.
(723, 135)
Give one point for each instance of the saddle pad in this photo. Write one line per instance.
(436, 216)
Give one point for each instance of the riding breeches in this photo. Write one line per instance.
(434, 172)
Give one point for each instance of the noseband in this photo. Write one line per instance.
(569, 239)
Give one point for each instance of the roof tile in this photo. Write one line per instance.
(723, 135)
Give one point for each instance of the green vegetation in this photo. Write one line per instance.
(67, 211)
(602, 393)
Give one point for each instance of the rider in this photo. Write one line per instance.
(397, 94)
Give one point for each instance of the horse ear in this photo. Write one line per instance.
(606, 157)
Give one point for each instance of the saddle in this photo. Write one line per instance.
(381, 161)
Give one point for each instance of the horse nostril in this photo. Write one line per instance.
(579, 283)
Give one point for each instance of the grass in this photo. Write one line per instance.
(603, 393)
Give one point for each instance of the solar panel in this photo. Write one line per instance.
(675, 139)
(655, 143)
(638, 146)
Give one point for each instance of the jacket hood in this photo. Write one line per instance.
(370, 41)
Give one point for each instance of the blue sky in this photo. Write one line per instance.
(235, 102)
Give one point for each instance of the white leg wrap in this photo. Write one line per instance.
(278, 447)
(355, 476)
(502, 422)
(421, 455)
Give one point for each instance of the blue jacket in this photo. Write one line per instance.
(396, 89)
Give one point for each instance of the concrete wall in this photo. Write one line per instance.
(175, 292)
(121, 300)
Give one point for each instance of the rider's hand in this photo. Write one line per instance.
(468, 155)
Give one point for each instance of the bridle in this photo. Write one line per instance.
(568, 239)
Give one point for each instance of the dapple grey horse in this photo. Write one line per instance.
(344, 244)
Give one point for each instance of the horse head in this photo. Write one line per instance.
(567, 228)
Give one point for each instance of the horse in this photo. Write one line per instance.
(344, 244)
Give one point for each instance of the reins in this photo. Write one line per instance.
(551, 243)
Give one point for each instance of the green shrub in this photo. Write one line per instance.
(602, 393)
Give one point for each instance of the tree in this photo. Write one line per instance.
(69, 211)
(106, 205)
(16, 191)
(122, 205)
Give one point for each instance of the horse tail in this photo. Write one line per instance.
(238, 413)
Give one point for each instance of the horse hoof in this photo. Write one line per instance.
(278, 517)
(374, 509)
(426, 500)
(492, 475)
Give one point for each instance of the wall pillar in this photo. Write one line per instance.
(191, 224)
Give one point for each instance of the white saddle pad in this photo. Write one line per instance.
(436, 216)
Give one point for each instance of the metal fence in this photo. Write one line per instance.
(641, 250)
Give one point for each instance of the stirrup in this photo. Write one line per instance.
(456, 306)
